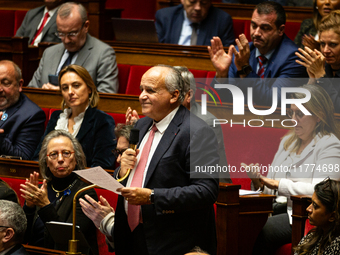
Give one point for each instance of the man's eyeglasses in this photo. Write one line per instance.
(70, 35)
(298, 113)
(65, 153)
(118, 152)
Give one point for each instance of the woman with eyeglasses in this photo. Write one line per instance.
(60, 154)
(80, 117)
(306, 155)
(324, 214)
(323, 66)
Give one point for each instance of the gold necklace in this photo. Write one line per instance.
(59, 191)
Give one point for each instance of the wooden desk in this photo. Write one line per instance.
(21, 169)
(239, 219)
(34, 250)
(151, 54)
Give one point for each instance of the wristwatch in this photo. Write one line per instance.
(152, 197)
(246, 69)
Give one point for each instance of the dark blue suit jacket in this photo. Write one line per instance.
(169, 23)
(280, 65)
(23, 128)
(17, 250)
(30, 24)
(183, 215)
(96, 136)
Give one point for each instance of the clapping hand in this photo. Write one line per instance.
(310, 42)
(131, 116)
(314, 62)
(219, 58)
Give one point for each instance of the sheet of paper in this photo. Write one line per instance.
(101, 178)
(244, 192)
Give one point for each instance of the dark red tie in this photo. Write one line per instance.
(137, 180)
(41, 27)
(262, 62)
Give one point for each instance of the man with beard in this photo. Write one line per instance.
(271, 54)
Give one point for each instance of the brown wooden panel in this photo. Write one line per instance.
(239, 219)
(17, 50)
(34, 250)
(117, 103)
(300, 204)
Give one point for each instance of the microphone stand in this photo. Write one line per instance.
(73, 243)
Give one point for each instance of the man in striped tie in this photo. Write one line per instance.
(271, 54)
(166, 206)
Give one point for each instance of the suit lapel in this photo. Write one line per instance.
(202, 32)
(49, 24)
(57, 57)
(252, 58)
(177, 27)
(166, 141)
(203, 29)
(10, 111)
(271, 64)
(85, 51)
(35, 22)
(86, 125)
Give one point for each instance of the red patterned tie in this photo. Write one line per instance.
(134, 210)
(41, 27)
(262, 62)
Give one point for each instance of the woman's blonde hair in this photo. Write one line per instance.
(321, 106)
(86, 77)
(331, 22)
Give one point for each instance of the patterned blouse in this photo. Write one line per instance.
(307, 28)
(332, 249)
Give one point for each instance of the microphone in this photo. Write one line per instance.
(134, 138)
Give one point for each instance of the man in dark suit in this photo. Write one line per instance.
(7, 193)
(79, 48)
(166, 206)
(34, 19)
(271, 54)
(13, 225)
(21, 120)
(176, 25)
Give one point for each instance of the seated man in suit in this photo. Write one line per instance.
(13, 225)
(40, 23)
(194, 22)
(271, 54)
(79, 48)
(21, 120)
